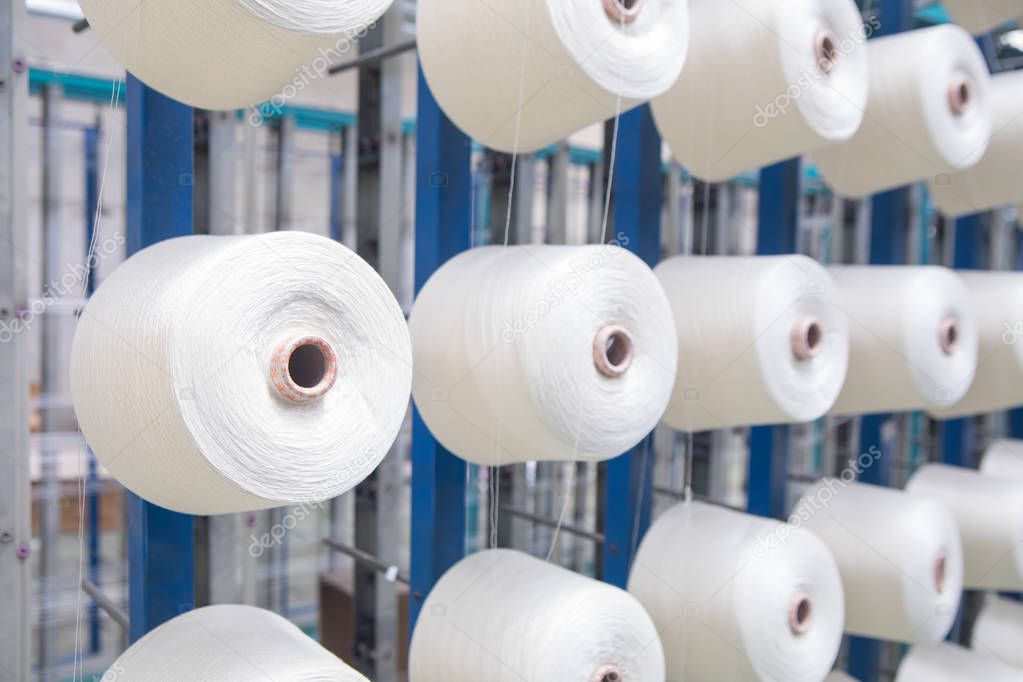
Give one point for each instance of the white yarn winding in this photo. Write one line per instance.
(996, 299)
(226, 374)
(993, 181)
(229, 643)
(519, 75)
(980, 16)
(928, 113)
(1003, 459)
(946, 662)
(229, 54)
(765, 80)
(998, 631)
(730, 604)
(900, 557)
(542, 353)
(989, 513)
(917, 350)
(501, 615)
(758, 340)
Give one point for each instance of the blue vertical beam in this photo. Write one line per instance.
(777, 227)
(336, 174)
(443, 224)
(161, 543)
(636, 192)
(91, 145)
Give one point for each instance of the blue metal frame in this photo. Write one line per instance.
(637, 194)
(777, 231)
(443, 224)
(161, 543)
(92, 488)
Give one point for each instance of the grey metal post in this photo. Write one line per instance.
(222, 165)
(284, 216)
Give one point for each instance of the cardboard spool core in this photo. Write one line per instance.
(960, 96)
(608, 673)
(612, 350)
(825, 50)
(940, 572)
(800, 614)
(303, 369)
(623, 11)
(807, 338)
(948, 335)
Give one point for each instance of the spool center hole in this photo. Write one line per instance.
(960, 96)
(623, 11)
(940, 566)
(307, 365)
(612, 676)
(617, 349)
(826, 50)
(803, 612)
(814, 334)
(948, 336)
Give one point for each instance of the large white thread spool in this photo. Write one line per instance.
(980, 16)
(542, 353)
(765, 80)
(989, 513)
(730, 604)
(998, 630)
(917, 351)
(992, 181)
(229, 55)
(946, 662)
(225, 374)
(503, 615)
(229, 643)
(900, 557)
(758, 340)
(928, 113)
(996, 299)
(519, 75)
(1003, 458)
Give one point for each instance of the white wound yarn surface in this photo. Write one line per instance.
(503, 341)
(735, 319)
(993, 181)
(519, 75)
(1003, 459)
(980, 16)
(504, 616)
(722, 596)
(996, 299)
(998, 631)
(171, 360)
(900, 557)
(229, 54)
(229, 643)
(989, 513)
(747, 56)
(899, 317)
(910, 131)
(946, 662)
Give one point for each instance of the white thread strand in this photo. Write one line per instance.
(178, 384)
(726, 610)
(753, 90)
(504, 615)
(229, 643)
(900, 557)
(580, 60)
(946, 662)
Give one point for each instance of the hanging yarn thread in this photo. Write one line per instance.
(946, 662)
(229, 55)
(519, 75)
(989, 513)
(225, 374)
(928, 113)
(503, 615)
(917, 351)
(765, 80)
(730, 604)
(900, 557)
(542, 353)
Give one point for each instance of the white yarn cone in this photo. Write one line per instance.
(998, 631)
(228, 55)
(900, 557)
(765, 80)
(996, 299)
(542, 353)
(989, 513)
(229, 643)
(502, 615)
(1003, 459)
(730, 605)
(980, 16)
(913, 337)
(928, 113)
(946, 662)
(519, 75)
(758, 341)
(226, 374)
